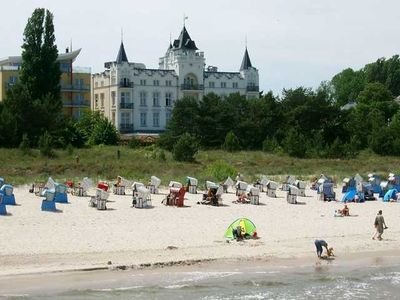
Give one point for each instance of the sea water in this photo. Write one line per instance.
(307, 282)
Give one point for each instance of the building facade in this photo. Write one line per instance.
(74, 82)
(140, 100)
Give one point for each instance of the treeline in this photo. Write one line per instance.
(354, 111)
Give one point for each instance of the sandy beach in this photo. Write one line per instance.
(81, 237)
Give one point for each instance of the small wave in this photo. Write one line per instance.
(176, 286)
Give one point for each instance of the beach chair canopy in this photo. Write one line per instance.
(326, 188)
(143, 192)
(136, 185)
(293, 190)
(102, 194)
(241, 185)
(272, 185)
(50, 184)
(7, 189)
(86, 184)
(211, 185)
(229, 182)
(290, 179)
(384, 184)
(60, 188)
(125, 182)
(175, 184)
(252, 190)
(246, 226)
(300, 184)
(263, 180)
(191, 181)
(390, 194)
(220, 190)
(358, 178)
(155, 181)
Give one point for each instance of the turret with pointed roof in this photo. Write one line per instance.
(246, 63)
(184, 41)
(121, 57)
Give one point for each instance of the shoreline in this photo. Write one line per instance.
(132, 277)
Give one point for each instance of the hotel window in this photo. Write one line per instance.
(142, 81)
(168, 83)
(223, 84)
(79, 82)
(12, 79)
(156, 119)
(113, 98)
(168, 99)
(235, 85)
(102, 100)
(125, 118)
(211, 84)
(143, 121)
(96, 100)
(156, 99)
(143, 99)
(156, 82)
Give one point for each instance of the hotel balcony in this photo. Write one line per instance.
(74, 88)
(252, 89)
(123, 84)
(67, 103)
(124, 105)
(192, 87)
(126, 128)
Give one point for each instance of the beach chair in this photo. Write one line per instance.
(142, 198)
(135, 187)
(60, 193)
(218, 195)
(384, 188)
(348, 184)
(290, 180)
(326, 192)
(175, 197)
(3, 208)
(253, 194)
(228, 183)
(174, 184)
(272, 186)
(394, 181)
(99, 200)
(81, 189)
(301, 185)
(191, 184)
(7, 191)
(154, 185)
(49, 203)
(241, 187)
(292, 193)
(375, 182)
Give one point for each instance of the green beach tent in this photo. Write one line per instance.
(247, 226)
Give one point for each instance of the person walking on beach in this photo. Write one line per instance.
(380, 225)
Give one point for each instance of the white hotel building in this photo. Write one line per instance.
(139, 100)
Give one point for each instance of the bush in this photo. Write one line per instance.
(70, 149)
(220, 170)
(134, 143)
(24, 145)
(104, 132)
(162, 156)
(186, 148)
(294, 144)
(270, 145)
(231, 142)
(46, 145)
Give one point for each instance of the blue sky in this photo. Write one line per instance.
(292, 42)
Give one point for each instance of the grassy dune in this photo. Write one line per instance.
(139, 164)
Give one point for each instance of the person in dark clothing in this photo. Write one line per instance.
(319, 244)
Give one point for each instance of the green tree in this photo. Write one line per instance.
(294, 144)
(186, 148)
(231, 142)
(34, 102)
(347, 85)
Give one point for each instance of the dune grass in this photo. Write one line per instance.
(139, 164)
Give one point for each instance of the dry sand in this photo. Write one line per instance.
(82, 237)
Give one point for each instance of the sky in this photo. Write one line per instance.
(291, 42)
